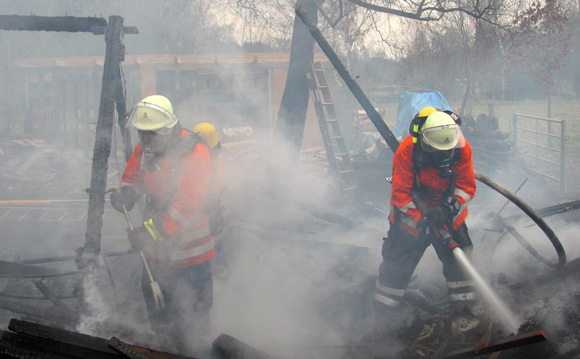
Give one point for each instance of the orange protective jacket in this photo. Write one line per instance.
(175, 204)
(433, 186)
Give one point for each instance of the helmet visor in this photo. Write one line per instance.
(149, 117)
(440, 138)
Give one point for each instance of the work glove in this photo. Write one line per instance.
(124, 196)
(450, 207)
(139, 238)
(443, 213)
(435, 217)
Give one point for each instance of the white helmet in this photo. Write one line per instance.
(154, 119)
(439, 132)
(153, 113)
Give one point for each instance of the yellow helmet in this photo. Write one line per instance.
(154, 113)
(439, 132)
(426, 111)
(207, 131)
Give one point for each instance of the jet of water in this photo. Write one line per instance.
(508, 318)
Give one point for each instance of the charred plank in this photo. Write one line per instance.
(53, 297)
(508, 343)
(19, 270)
(54, 315)
(50, 23)
(17, 345)
(100, 30)
(232, 348)
(551, 210)
(98, 346)
(114, 54)
(124, 349)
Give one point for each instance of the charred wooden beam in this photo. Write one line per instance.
(15, 345)
(508, 343)
(53, 297)
(155, 354)
(72, 257)
(114, 54)
(232, 348)
(50, 23)
(32, 340)
(100, 30)
(18, 270)
(61, 336)
(550, 211)
(52, 314)
(358, 93)
(87, 260)
(294, 103)
(125, 349)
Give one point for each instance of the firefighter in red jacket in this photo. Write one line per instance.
(432, 166)
(171, 167)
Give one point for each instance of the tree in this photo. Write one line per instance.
(539, 42)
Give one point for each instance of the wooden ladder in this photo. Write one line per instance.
(339, 160)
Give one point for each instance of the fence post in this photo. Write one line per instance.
(563, 179)
(515, 130)
(549, 133)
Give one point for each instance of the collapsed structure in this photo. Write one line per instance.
(426, 337)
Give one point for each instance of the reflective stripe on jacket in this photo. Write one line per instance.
(432, 184)
(176, 204)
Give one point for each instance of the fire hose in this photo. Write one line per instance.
(534, 216)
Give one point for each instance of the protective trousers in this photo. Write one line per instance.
(401, 254)
(188, 294)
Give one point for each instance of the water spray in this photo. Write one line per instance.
(508, 319)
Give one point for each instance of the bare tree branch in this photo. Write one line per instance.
(388, 10)
(340, 15)
(440, 8)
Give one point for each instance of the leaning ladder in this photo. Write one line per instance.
(336, 151)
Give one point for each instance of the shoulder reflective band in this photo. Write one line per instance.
(153, 230)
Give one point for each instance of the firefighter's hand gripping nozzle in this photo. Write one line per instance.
(434, 222)
(446, 237)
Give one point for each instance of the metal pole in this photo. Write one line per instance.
(563, 181)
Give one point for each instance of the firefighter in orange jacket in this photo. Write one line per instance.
(171, 168)
(433, 166)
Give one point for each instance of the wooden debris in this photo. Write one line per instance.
(508, 343)
(232, 348)
(31, 340)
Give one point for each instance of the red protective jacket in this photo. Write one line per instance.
(175, 204)
(432, 184)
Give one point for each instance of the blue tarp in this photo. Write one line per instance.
(410, 105)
